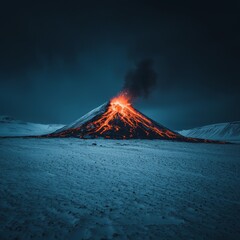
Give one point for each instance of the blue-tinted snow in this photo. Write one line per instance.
(12, 127)
(118, 189)
(221, 131)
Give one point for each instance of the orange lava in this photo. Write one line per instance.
(121, 121)
(120, 108)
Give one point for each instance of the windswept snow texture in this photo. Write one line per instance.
(221, 131)
(76, 189)
(10, 127)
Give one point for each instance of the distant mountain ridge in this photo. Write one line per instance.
(229, 131)
(11, 127)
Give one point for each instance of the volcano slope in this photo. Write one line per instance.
(117, 119)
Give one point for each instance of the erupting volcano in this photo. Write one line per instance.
(117, 119)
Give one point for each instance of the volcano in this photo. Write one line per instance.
(118, 119)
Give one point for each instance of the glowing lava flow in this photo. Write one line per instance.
(120, 110)
(117, 119)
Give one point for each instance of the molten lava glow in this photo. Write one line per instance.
(120, 110)
(121, 121)
(120, 104)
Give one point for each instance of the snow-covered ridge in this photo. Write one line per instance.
(79, 122)
(10, 127)
(221, 131)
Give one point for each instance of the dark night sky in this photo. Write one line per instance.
(60, 59)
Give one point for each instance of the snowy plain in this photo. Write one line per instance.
(118, 189)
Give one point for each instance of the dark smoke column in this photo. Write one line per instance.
(140, 81)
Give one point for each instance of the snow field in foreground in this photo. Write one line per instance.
(110, 189)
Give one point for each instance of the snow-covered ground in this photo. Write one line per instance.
(118, 189)
(220, 131)
(11, 127)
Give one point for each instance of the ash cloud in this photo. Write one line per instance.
(140, 81)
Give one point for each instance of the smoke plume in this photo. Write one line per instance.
(140, 81)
